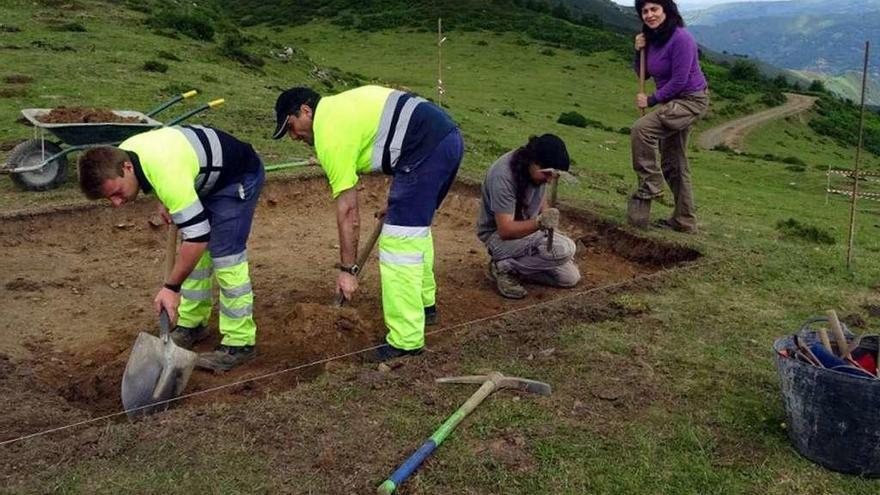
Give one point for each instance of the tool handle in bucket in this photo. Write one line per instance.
(836, 329)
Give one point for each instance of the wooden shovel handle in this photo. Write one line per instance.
(842, 344)
(170, 250)
(642, 71)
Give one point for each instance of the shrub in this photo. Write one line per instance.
(233, 48)
(773, 98)
(70, 27)
(573, 119)
(793, 229)
(18, 79)
(168, 56)
(548, 52)
(742, 70)
(155, 66)
(189, 25)
(793, 160)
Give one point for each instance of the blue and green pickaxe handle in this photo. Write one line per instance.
(490, 383)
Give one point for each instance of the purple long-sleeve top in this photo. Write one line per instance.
(675, 67)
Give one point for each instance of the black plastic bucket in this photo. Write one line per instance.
(833, 417)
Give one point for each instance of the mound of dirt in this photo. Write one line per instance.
(84, 115)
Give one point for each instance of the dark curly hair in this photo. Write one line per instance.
(673, 20)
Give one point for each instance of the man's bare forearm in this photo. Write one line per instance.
(348, 222)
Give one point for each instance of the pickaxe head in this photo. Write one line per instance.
(502, 381)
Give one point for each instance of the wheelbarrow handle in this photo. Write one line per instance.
(172, 101)
(194, 111)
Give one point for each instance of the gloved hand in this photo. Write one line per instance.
(548, 219)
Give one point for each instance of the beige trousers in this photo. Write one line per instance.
(667, 129)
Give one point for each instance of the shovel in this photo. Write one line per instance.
(157, 369)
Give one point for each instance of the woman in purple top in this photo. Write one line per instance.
(681, 97)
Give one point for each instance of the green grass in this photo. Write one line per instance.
(704, 413)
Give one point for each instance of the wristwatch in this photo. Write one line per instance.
(353, 269)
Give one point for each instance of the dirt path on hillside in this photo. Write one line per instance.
(733, 133)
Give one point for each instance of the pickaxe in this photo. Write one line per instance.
(491, 382)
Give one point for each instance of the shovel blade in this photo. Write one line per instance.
(154, 374)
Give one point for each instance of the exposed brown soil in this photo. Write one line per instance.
(83, 115)
(77, 286)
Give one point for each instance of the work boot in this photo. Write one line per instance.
(638, 212)
(226, 357)
(187, 338)
(431, 316)
(671, 224)
(507, 284)
(387, 351)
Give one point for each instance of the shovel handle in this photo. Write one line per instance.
(170, 250)
(164, 324)
(642, 72)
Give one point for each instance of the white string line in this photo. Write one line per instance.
(361, 351)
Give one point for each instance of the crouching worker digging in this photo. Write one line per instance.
(376, 129)
(516, 223)
(207, 182)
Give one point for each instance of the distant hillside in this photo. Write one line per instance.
(577, 27)
(825, 47)
(737, 11)
(848, 85)
(611, 14)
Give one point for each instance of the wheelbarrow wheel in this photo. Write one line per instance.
(30, 153)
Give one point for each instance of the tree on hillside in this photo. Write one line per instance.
(817, 86)
(742, 70)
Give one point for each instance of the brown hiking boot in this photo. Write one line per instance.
(670, 224)
(507, 284)
(638, 212)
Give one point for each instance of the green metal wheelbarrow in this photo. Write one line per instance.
(39, 164)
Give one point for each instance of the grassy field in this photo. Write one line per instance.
(702, 412)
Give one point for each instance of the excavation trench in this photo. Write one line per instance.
(77, 286)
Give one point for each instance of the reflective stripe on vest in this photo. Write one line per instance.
(392, 130)
(206, 144)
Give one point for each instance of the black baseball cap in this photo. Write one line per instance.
(550, 151)
(288, 103)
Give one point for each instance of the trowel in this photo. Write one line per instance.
(157, 368)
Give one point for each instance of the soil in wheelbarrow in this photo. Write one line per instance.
(78, 283)
(84, 115)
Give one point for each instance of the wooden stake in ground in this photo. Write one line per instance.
(440, 40)
(855, 191)
(642, 71)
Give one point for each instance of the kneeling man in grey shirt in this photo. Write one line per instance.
(515, 219)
